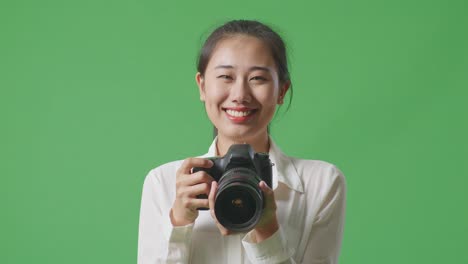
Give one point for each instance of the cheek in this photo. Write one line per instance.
(214, 96)
(267, 96)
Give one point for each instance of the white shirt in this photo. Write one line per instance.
(310, 198)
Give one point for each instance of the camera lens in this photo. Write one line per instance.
(239, 201)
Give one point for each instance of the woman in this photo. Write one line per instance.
(242, 77)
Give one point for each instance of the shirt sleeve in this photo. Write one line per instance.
(274, 249)
(325, 239)
(158, 240)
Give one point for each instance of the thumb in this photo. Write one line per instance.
(265, 188)
(268, 194)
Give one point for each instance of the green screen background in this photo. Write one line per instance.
(94, 94)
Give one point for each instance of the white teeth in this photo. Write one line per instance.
(238, 113)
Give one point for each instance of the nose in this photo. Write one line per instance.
(240, 92)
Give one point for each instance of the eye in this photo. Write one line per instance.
(227, 77)
(258, 78)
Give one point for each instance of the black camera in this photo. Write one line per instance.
(239, 200)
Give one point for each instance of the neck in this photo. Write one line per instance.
(260, 143)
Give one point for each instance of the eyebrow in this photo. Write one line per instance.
(253, 68)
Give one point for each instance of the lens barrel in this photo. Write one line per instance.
(239, 200)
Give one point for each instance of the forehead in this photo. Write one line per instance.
(241, 52)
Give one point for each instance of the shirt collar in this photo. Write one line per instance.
(283, 168)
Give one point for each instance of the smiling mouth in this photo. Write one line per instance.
(239, 116)
(238, 113)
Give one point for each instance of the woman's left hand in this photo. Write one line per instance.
(268, 223)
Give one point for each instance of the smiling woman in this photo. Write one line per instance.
(241, 89)
(242, 78)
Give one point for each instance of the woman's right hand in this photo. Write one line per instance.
(188, 186)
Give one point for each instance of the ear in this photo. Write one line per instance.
(283, 89)
(201, 85)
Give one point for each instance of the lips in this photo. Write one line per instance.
(239, 114)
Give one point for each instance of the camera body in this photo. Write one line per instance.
(239, 201)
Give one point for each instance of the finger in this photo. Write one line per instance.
(195, 178)
(201, 188)
(189, 163)
(265, 188)
(211, 202)
(193, 203)
(269, 195)
(196, 203)
(223, 230)
(211, 197)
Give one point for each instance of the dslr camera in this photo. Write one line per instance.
(239, 201)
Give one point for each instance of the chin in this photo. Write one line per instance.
(239, 134)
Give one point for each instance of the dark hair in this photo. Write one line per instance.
(251, 28)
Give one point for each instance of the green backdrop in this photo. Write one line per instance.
(94, 94)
